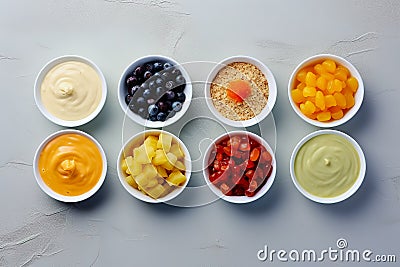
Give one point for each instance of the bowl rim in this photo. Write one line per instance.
(240, 199)
(45, 188)
(135, 117)
(359, 96)
(41, 75)
(139, 195)
(271, 86)
(353, 189)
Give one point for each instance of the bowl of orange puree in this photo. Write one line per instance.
(70, 165)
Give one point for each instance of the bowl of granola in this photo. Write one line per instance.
(240, 91)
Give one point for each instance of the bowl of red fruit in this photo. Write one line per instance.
(239, 167)
(154, 91)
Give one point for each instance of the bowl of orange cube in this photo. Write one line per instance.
(325, 90)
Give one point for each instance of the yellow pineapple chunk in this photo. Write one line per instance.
(156, 191)
(167, 189)
(150, 171)
(160, 157)
(134, 167)
(162, 172)
(151, 141)
(124, 166)
(176, 150)
(180, 166)
(152, 182)
(176, 178)
(142, 181)
(129, 179)
(167, 166)
(164, 142)
(140, 155)
(171, 158)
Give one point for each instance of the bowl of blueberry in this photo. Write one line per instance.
(155, 91)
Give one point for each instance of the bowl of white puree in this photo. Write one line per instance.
(70, 90)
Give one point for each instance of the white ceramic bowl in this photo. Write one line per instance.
(239, 199)
(47, 189)
(39, 79)
(358, 98)
(271, 85)
(122, 91)
(135, 192)
(352, 189)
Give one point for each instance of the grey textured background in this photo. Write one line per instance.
(114, 229)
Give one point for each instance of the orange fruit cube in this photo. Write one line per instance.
(336, 113)
(340, 100)
(309, 91)
(324, 116)
(320, 100)
(321, 83)
(329, 65)
(349, 100)
(330, 101)
(352, 83)
(311, 79)
(297, 96)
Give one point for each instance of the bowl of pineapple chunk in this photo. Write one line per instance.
(154, 166)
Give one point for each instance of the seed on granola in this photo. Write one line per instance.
(239, 91)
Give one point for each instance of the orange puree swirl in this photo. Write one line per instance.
(71, 164)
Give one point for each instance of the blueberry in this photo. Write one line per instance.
(151, 101)
(169, 85)
(153, 110)
(152, 85)
(180, 79)
(168, 104)
(142, 113)
(133, 90)
(147, 75)
(176, 72)
(162, 106)
(157, 66)
(153, 118)
(159, 82)
(148, 67)
(128, 99)
(138, 71)
(146, 94)
(161, 116)
(176, 106)
(170, 95)
(167, 65)
(131, 81)
(140, 101)
(181, 97)
(179, 88)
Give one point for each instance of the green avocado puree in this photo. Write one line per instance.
(327, 165)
